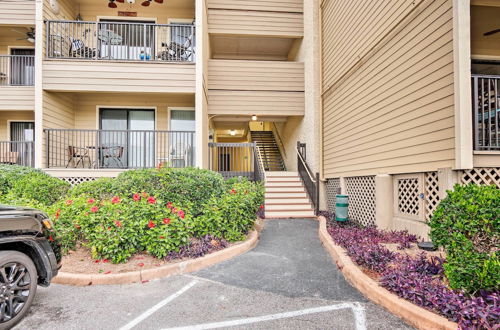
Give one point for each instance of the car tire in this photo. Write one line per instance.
(18, 282)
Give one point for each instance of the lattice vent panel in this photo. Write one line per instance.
(431, 192)
(361, 191)
(74, 180)
(408, 191)
(332, 190)
(481, 176)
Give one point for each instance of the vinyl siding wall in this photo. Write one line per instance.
(17, 12)
(387, 87)
(6, 116)
(17, 98)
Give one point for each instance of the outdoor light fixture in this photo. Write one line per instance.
(146, 3)
(254, 117)
(232, 132)
(112, 4)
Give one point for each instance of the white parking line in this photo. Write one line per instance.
(358, 310)
(156, 307)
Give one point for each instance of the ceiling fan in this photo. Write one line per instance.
(489, 33)
(29, 35)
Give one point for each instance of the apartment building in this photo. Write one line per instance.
(390, 102)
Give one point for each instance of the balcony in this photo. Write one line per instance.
(17, 153)
(119, 57)
(17, 77)
(118, 149)
(486, 112)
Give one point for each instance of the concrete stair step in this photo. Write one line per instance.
(289, 214)
(280, 195)
(271, 174)
(283, 179)
(273, 184)
(288, 201)
(285, 208)
(285, 189)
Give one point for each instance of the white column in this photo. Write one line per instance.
(384, 197)
(39, 26)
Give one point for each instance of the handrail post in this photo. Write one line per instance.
(47, 146)
(317, 194)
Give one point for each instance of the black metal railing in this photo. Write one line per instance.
(311, 182)
(116, 149)
(486, 112)
(17, 70)
(17, 153)
(120, 41)
(235, 160)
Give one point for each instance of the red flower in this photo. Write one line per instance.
(136, 197)
(174, 210)
(58, 213)
(151, 200)
(86, 213)
(159, 166)
(151, 224)
(77, 226)
(233, 191)
(105, 260)
(115, 200)
(118, 223)
(261, 206)
(97, 261)
(181, 214)
(166, 221)
(51, 238)
(108, 272)
(162, 237)
(144, 194)
(140, 264)
(94, 209)
(69, 202)
(169, 205)
(91, 201)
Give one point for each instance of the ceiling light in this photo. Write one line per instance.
(254, 117)
(232, 132)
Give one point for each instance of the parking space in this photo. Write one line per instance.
(286, 282)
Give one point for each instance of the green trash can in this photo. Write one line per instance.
(341, 206)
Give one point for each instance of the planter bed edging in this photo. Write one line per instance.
(177, 268)
(414, 315)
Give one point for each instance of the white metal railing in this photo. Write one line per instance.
(120, 41)
(17, 70)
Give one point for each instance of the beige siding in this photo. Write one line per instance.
(256, 75)
(255, 102)
(7, 116)
(20, 12)
(60, 75)
(291, 6)
(58, 110)
(17, 98)
(255, 23)
(391, 109)
(86, 106)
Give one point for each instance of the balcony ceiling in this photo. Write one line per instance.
(484, 19)
(250, 48)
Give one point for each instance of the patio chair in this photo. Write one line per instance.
(78, 154)
(78, 49)
(9, 157)
(179, 154)
(113, 153)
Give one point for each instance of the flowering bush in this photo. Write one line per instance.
(467, 224)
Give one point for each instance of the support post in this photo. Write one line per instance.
(447, 178)
(384, 201)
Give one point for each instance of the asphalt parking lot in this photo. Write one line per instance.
(287, 282)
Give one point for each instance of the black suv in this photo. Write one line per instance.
(29, 255)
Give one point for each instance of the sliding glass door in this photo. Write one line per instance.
(127, 138)
(182, 145)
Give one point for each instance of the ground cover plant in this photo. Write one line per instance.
(420, 279)
(167, 213)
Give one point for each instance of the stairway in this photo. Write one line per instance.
(286, 197)
(269, 151)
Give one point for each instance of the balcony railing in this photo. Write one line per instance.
(118, 149)
(236, 160)
(120, 41)
(486, 112)
(17, 70)
(17, 153)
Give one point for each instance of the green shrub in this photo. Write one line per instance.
(117, 228)
(233, 214)
(40, 187)
(10, 174)
(467, 224)
(101, 188)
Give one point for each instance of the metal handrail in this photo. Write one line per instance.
(305, 165)
(261, 170)
(310, 182)
(279, 139)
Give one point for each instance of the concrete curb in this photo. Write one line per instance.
(178, 268)
(412, 314)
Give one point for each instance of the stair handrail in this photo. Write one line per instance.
(310, 181)
(279, 139)
(259, 171)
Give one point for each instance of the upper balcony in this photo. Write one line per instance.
(17, 77)
(116, 56)
(17, 12)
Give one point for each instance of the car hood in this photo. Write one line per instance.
(20, 219)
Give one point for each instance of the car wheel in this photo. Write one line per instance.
(18, 281)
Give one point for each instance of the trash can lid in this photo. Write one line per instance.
(343, 196)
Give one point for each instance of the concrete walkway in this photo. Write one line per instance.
(287, 282)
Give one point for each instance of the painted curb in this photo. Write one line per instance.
(177, 268)
(414, 315)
